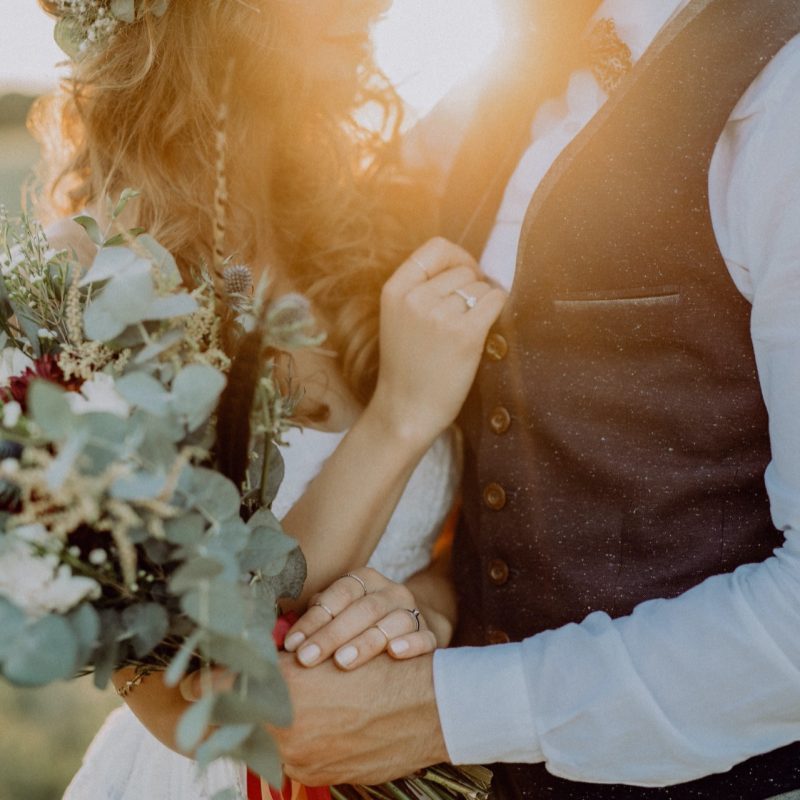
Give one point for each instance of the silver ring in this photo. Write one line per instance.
(415, 615)
(325, 609)
(388, 638)
(360, 580)
(469, 299)
(418, 263)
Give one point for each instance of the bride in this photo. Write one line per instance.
(251, 109)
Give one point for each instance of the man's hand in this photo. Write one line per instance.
(365, 727)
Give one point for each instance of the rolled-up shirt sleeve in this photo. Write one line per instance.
(693, 685)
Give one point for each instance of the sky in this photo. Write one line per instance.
(425, 46)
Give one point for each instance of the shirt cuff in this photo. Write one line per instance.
(484, 707)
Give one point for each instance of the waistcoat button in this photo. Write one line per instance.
(500, 420)
(493, 636)
(498, 572)
(494, 495)
(496, 347)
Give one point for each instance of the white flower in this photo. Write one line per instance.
(38, 584)
(45, 333)
(99, 395)
(13, 362)
(11, 413)
(11, 260)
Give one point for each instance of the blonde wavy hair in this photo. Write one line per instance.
(309, 186)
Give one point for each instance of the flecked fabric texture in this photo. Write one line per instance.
(633, 464)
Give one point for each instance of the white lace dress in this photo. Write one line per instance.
(124, 762)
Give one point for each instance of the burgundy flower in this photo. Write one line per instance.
(45, 368)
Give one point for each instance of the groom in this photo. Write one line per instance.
(618, 435)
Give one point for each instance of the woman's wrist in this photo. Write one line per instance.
(404, 432)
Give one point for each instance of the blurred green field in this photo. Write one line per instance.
(44, 732)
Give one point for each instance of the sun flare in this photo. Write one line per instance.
(427, 46)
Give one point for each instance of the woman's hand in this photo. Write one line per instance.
(360, 616)
(436, 312)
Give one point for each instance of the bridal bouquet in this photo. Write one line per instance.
(139, 423)
(135, 528)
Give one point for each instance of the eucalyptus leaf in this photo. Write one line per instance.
(171, 306)
(43, 652)
(139, 486)
(267, 552)
(275, 475)
(85, 622)
(188, 529)
(180, 663)
(192, 725)
(107, 654)
(241, 655)
(50, 410)
(64, 463)
(267, 700)
(292, 578)
(187, 577)
(123, 238)
(213, 494)
(227, 794)
(217, 606)
(12, 622)
(89, 224)
(144, 391)
(157, 347)
(124, 301)
(260, 753)
(195, 393)
(162, 258)
(112, 262)
(145, 625)
(125, 197)
(222, 741)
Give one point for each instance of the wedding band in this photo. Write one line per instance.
(388, 638)
(415, 615)
(360, 580)
(325, 609)
(469, 299)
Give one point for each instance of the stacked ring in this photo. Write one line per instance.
(325, 609)
(415, 614)
(360, 580)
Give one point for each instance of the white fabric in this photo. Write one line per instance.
(126, 763)
(690, 686)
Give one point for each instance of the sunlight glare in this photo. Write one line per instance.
(428, 46)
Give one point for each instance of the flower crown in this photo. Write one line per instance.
(86, 24)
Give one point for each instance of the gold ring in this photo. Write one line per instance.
(360, 580)
(325, 609)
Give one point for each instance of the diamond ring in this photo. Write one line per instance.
(470, 299)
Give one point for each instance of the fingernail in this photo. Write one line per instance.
(308, 655)
(346, 656)
(294, 641)
(398, 646)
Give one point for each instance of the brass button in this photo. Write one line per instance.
(500, 420)
(496, 347)
(498, 572)
(494, 636)
(494, 495)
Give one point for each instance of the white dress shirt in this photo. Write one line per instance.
(693, 685)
